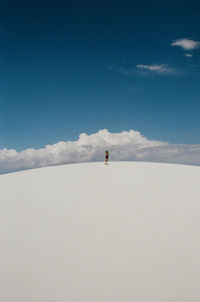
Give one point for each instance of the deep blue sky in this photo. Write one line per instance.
(70, 66)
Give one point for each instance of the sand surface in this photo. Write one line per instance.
(127, 232)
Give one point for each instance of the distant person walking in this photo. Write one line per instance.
(106, 157)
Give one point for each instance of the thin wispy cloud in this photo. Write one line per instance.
(145, 70)
(186, 44)
(188, 55)
(157, 69)
(125, 145)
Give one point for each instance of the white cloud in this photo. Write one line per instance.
(145, 70)
(161, 69)
(126, 145)
(186, 44)
(188, 55)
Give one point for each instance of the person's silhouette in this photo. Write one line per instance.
(106, 157)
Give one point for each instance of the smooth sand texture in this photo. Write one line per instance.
(127, 232)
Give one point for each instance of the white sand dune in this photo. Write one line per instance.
(127, 232)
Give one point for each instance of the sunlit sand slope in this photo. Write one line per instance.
(127, 232)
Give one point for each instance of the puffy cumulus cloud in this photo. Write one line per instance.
(126, 145)
(186, 44)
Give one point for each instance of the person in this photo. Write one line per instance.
(106, 157)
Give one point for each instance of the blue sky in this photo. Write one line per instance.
(69, 67)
